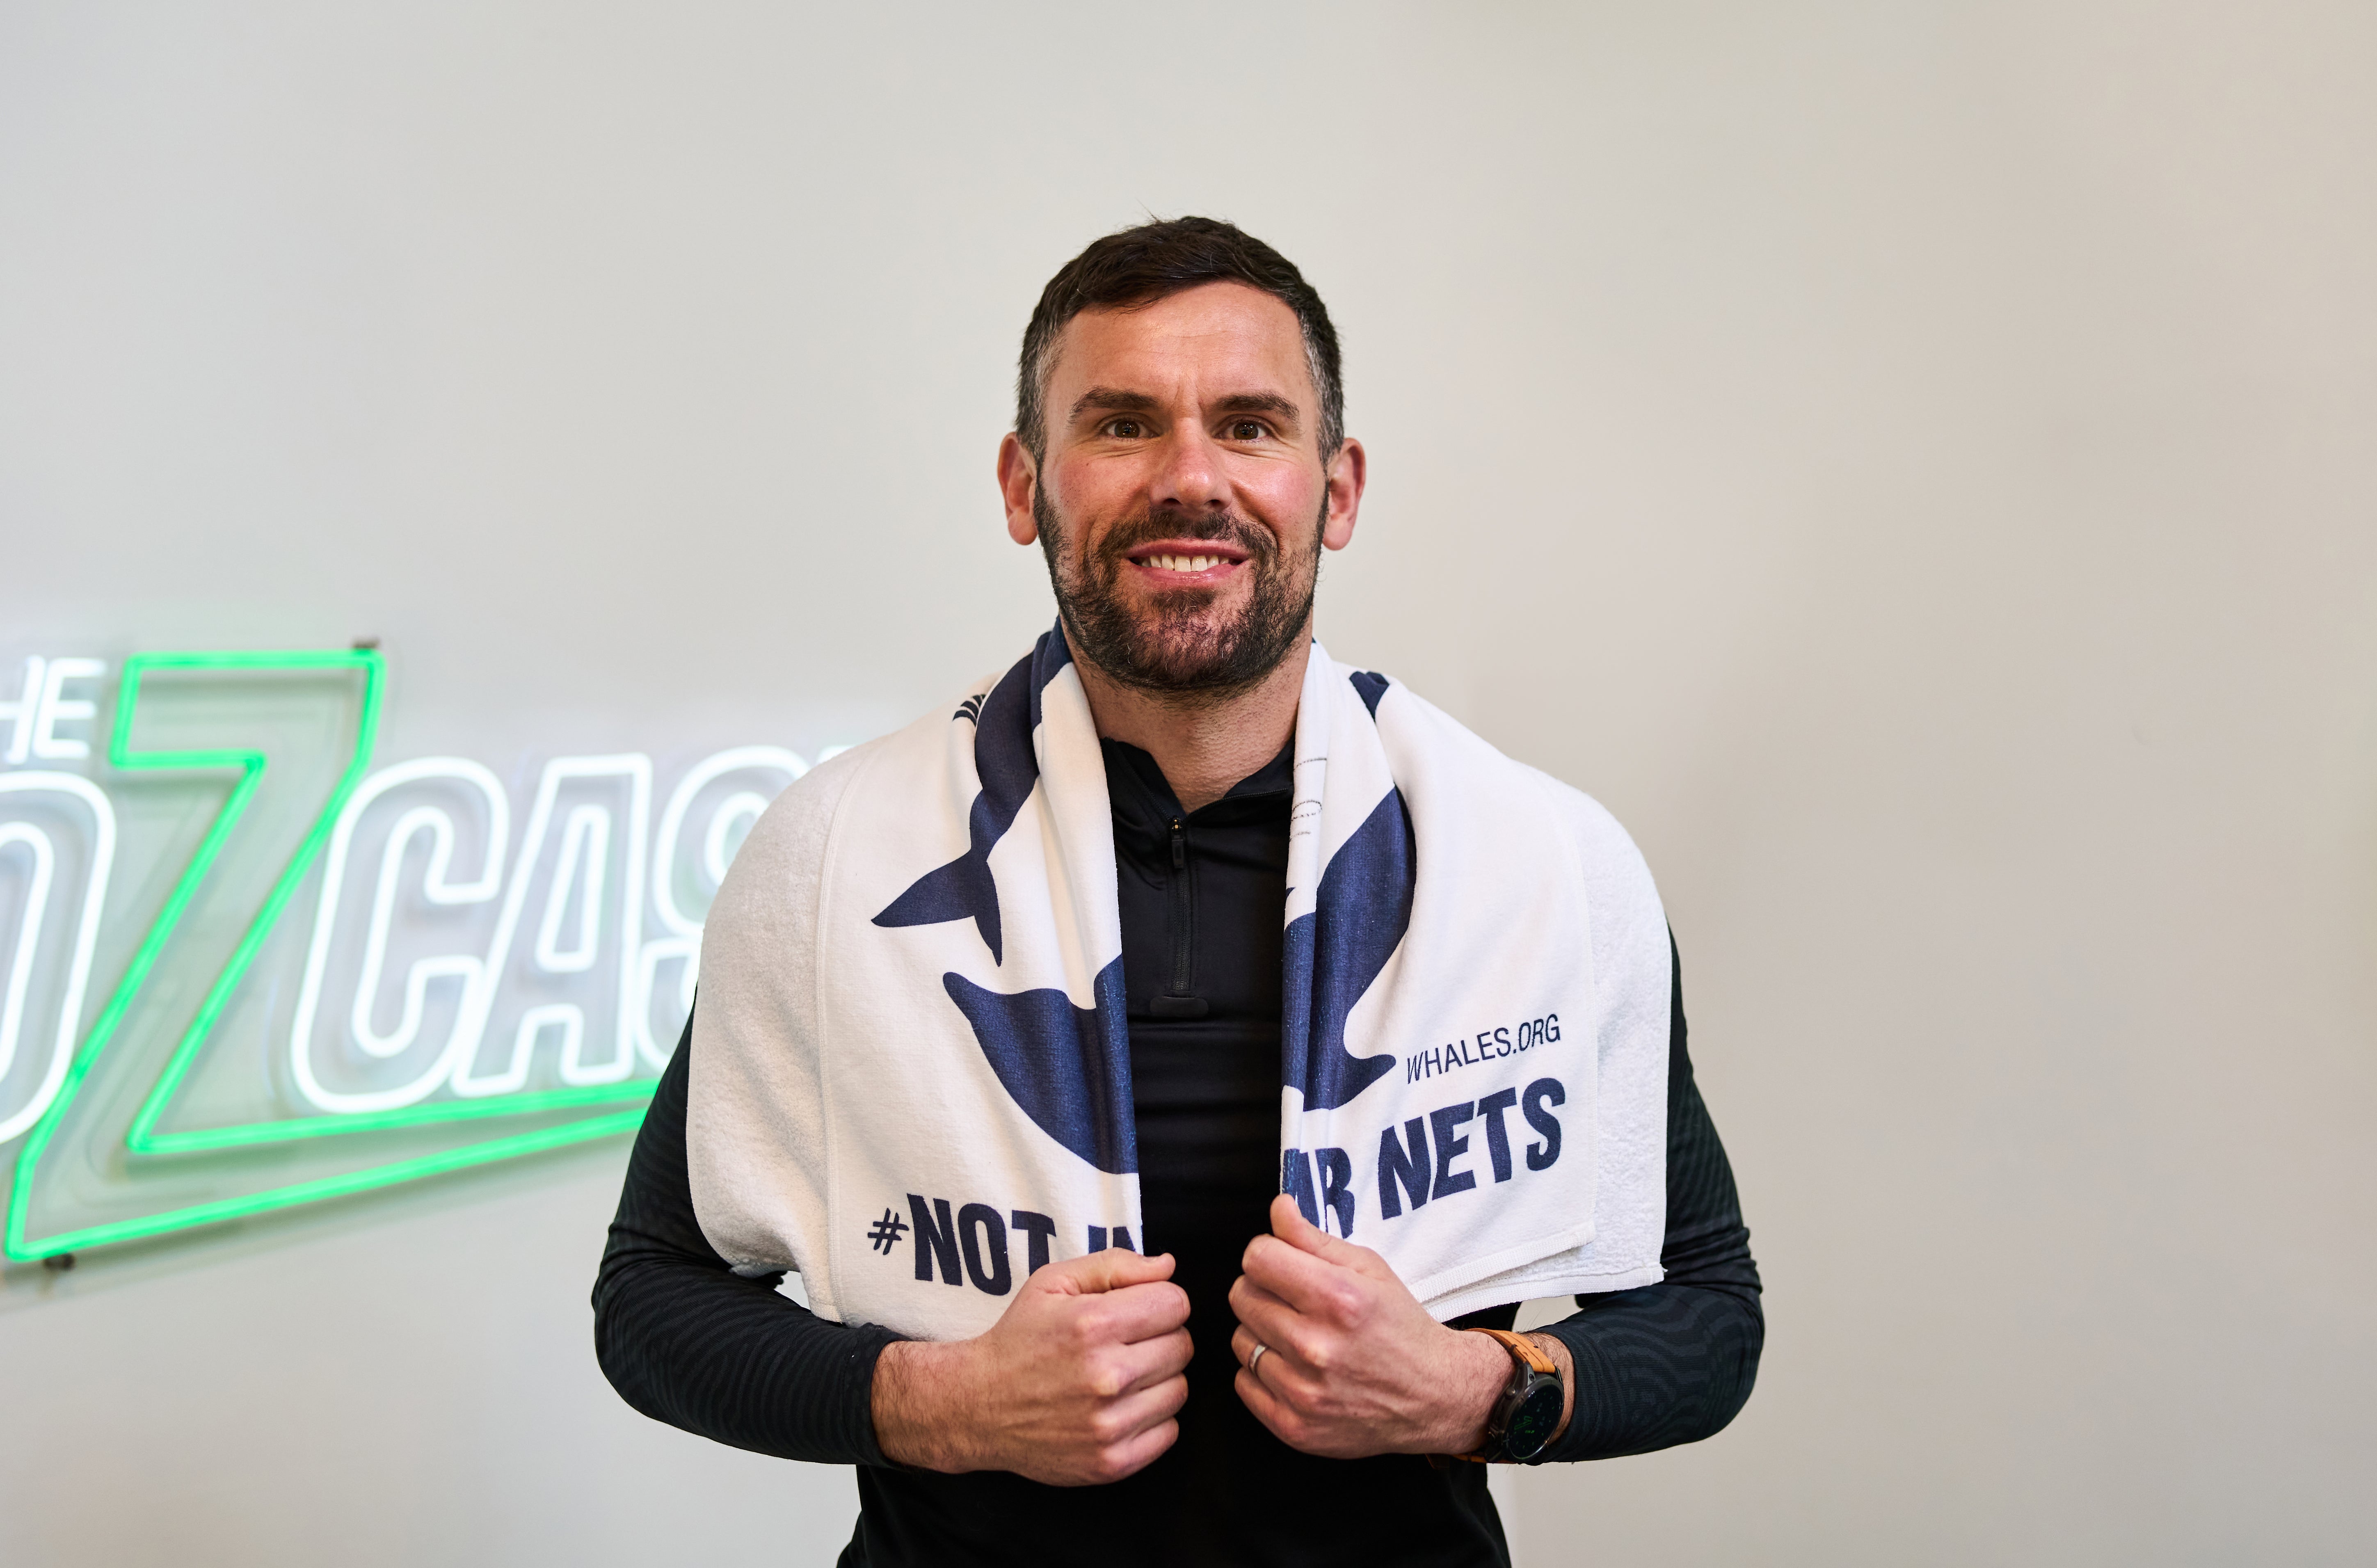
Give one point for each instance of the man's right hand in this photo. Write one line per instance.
(1076, 1385)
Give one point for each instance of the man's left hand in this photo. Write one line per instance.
(1355, 1365)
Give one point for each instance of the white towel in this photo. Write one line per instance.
(911, 1075)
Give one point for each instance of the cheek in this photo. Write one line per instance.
(1289, 505)
(1087, 512)
(1095, 489)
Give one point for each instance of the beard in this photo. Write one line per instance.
(1184, 644)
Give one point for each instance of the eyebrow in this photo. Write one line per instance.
(1114, 400)
(1259, 402)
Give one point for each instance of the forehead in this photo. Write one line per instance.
(1199, 338)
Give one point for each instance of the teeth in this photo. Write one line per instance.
(1184, 563)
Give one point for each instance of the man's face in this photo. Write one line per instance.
(1181, 498)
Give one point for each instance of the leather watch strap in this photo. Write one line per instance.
(1526, 1349)
(1530, 1355)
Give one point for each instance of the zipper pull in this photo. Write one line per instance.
(1180, 844)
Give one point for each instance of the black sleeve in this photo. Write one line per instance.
(688, 1341)
(1672, 1362)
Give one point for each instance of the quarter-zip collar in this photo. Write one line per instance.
(1170, 852)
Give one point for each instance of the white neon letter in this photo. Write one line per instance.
(28, 931)
(103, 858)
(738, 810)
(568, 1017)
(683, 944)
(577, 845)
(585, 840)
(22, 713)
(436, 887)
(54, 707)
(680, 801)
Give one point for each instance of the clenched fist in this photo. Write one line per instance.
(1076, 1385)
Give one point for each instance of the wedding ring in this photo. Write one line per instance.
(1255, 1359)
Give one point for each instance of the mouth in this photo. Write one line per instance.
(1186, 563)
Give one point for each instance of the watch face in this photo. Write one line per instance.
(1533, 1423)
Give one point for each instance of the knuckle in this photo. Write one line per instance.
(1113, 1463)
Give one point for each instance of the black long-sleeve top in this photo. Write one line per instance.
(1201, 897)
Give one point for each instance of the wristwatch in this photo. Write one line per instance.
(1525, 1418)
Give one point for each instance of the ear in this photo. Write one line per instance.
(1349, 471)
(1018, 480)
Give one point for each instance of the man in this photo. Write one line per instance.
(1180, 936)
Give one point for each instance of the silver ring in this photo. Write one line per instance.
(1255, 1359)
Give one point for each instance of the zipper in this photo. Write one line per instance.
(1175, 1002)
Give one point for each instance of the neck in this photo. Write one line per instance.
(1205, 744)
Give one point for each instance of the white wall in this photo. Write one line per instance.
(1912, 462)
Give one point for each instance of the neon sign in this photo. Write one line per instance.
(321, 979)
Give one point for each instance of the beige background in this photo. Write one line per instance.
(1912, 462)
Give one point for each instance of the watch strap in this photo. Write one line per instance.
(1522, 1349)
(1530, 1357)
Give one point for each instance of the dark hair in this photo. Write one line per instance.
(1152, 261)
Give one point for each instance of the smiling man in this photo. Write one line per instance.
(1169, 1069)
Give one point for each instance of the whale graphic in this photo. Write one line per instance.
(1360, 913)
(1004, 761)
(1069, 1068)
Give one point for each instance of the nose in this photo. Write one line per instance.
(1190, 477)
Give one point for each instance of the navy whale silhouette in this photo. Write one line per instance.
(1069, 1068)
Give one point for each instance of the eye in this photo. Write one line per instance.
(1247, 430)
(1126, 429)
